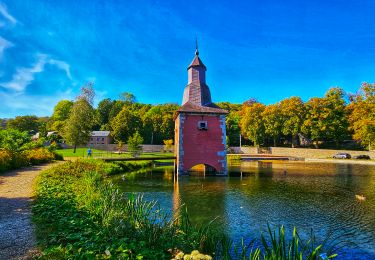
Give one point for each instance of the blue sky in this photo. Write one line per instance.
(268, 50)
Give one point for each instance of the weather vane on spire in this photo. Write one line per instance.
(196, 46)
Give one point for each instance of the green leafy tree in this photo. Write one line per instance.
(160, 123)
(103, 113)
(293, 115)
(115, 110)
(326, 117)
(252, 124)
(361, 112)
(60, 114)
(13, 140)
(135, 144)
(313, 125)
(29, 124)
(125, 124)
(78, 127)
(233, 128)
(128, 98)
(273, 121)
(336, 119)
(229, 106)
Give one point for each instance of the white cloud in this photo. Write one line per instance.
(61, 65)
(3, 45)
(4, 12)
(25, 75)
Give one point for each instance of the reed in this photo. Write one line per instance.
(79, 213)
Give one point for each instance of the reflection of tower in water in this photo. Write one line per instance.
(203, 197)
(176, 200)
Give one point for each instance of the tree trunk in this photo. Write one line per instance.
(274, 141)
(75, 147)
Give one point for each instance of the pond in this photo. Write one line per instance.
(320, 196)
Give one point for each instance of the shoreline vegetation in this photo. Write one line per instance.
(11, 160)
(80, 213)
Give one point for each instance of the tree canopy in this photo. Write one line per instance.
(78, 126)
(333, 118)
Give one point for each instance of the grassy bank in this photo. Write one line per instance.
(10, 160)
(81, 214)
(82, 152)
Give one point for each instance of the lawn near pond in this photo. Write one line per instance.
(82, 153)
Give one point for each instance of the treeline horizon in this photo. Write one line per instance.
(333, 118)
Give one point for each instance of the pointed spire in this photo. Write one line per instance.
(196, 46)
(196, 61)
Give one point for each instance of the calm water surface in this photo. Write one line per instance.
(305, 195)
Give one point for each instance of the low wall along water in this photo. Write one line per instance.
(301, 152)
(279, 151)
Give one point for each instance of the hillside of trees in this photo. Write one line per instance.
(327, 121)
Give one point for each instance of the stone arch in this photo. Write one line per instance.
(204, 167)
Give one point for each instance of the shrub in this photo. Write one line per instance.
(5, 160)
(38, 156)
(58, 157)
(13, 160)
(167, 145)
(19, 160)
(13, 140)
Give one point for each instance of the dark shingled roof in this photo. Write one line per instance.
(210, 109)
(196, 62)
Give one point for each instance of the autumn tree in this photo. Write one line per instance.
(78, 127)
(293, 114)
(252, 124)
(361, 112)
(273, 121)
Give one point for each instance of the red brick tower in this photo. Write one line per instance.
(200, 130)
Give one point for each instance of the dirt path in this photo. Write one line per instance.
(17, 240)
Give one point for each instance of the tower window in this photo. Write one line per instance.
(202, 125)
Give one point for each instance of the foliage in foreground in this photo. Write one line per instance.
(10, 160)
(80, 214)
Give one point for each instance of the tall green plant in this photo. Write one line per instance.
(135, 144)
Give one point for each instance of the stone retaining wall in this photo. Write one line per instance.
(315, 153)
(244, 149)
(302, 152)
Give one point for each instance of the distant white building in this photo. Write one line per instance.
(37, 135)
(100, 138)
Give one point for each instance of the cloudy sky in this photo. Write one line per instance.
(264, 49)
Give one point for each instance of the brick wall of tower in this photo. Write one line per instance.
(195, 146)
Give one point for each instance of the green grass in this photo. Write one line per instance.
(82, 153)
